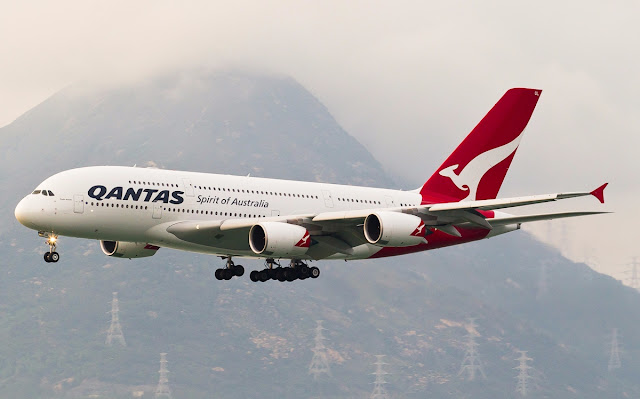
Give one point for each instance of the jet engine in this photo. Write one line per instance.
(394, 229)
(279, 240)
(124, 249)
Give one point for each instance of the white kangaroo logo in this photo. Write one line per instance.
(469, 178)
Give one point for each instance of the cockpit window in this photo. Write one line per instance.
(44, 192)
(50, 193)
(36, 192)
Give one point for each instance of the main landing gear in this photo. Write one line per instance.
(51, 256)
(297, 270)
(229, 271)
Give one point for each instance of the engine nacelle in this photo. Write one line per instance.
(394, 229)
(279, 240)
(124, 249)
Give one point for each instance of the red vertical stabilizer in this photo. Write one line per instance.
(476, 169)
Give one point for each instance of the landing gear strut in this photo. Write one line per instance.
(297, 269)
(229, 271)
(51, 256)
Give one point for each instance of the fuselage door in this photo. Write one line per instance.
(188, 188)
(157, 210)
(328, 201)
(390, 202)
(78, 203)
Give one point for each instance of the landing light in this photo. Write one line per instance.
(52, 240)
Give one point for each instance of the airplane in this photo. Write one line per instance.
(135, 211)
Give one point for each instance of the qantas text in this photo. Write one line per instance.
(141, 194)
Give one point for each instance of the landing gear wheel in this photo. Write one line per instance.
(263, 275)
(218, 274)
(54, 257)
(46, 257)
(254, 276)
(272, 273)
(238, 270)
(291, 274)
(315, 272)
(280, 274)
(304, 273)
(227, 274)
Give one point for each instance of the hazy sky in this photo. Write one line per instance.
(407, 79)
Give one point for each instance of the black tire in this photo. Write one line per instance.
(315, 272)
(218, 274)
(291, 274)
(272, 273)
(238, 270)
(280, 274)
(304, 272)
(227, 274)
(263, 275)
(54, 257)
(254, 276)
(46, 257)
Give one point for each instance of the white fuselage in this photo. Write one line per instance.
(139, 204)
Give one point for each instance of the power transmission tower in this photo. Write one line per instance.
(523, 375)
(543, 281)
(379, 392)
(471, 362)
(115, 329)
(319, 363)
(614, 351)
(163, 390)
(634, 278)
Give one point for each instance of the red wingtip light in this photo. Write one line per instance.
(599, 193)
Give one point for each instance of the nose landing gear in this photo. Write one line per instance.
(52, 256)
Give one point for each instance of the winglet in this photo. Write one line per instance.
(599, 193)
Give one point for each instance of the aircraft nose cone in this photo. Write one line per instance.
(23, 214)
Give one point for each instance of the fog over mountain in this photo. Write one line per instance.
(237, 339)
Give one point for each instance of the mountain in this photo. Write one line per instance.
(238, 339)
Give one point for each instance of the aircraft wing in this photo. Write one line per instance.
(533, 218)
(341, 231)
(464, 211)
(501, 203)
